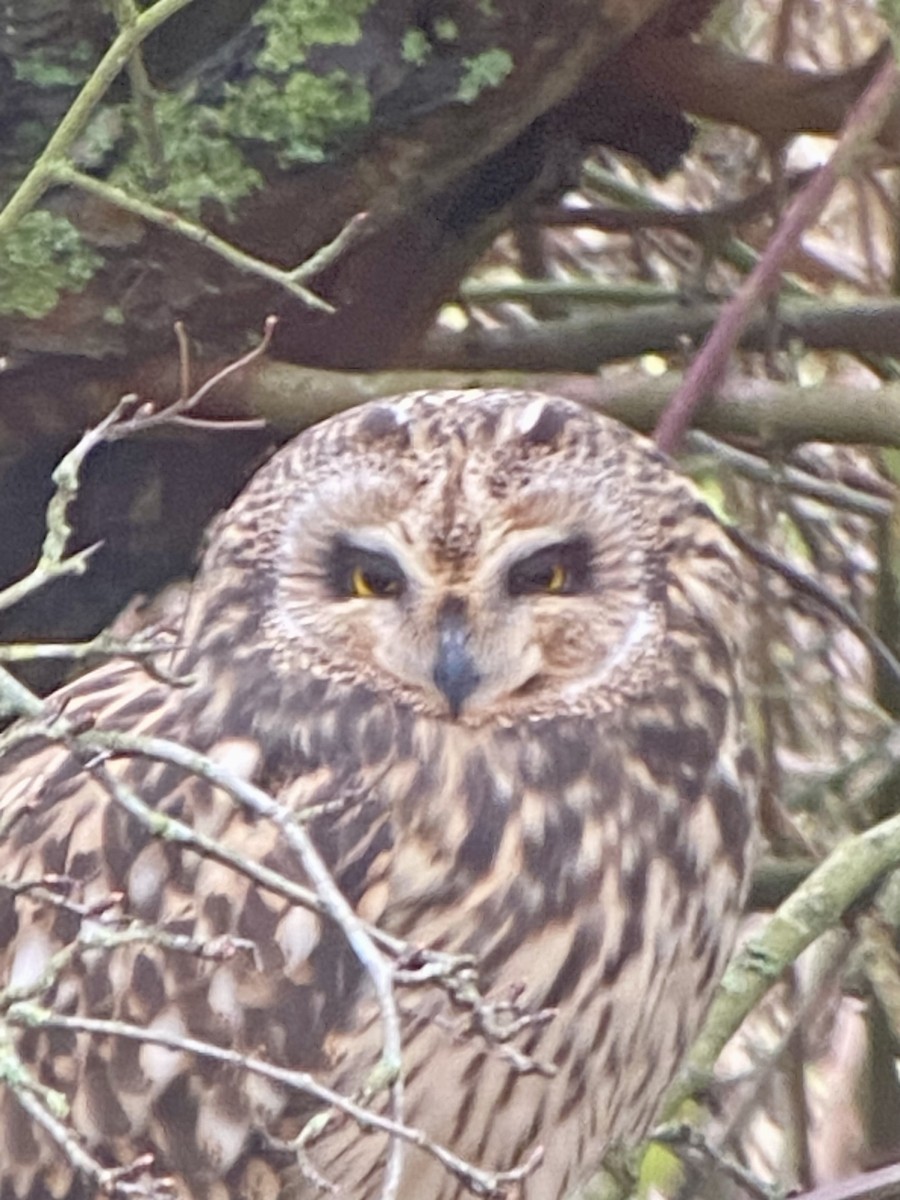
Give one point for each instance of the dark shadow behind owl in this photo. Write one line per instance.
(485, 648)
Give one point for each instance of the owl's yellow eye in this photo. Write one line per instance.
(371, 583)
(557, 580)
(560, 569)
(361, 573)
(360, 584)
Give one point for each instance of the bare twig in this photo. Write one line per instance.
(48, 1109)
(698, 223)
(165, 217)
(708, 368)
(482, 1183)
(806, 585)
(685, 1137)
(142, 92)
(128, 417)
(355, 229)
(102, 646)
(753, 466)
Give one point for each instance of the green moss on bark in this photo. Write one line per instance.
(201, 159)
(487, 70)
(44, 256)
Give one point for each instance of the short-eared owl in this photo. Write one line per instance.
(482, 650)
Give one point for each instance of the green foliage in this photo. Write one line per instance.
(294, 26)
(42, 67)
(43, 256)
(487, 70)
(415, 48)
(889, 10)
(288, 108)
(446, 30)
(299, 115)
(200, 159)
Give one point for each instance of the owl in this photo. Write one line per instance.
(447, 748)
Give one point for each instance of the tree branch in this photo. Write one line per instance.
(708, 368)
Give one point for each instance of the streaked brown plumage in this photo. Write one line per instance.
(494, 640)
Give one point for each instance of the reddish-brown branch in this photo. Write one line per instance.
(708, 368)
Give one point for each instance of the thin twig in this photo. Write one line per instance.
(482, 1183)
(753, 466)
(700, 223)
(683, 1136)
(332, 902)
(128, 417)
(352, 232)
(165, 217)
(708, 367)
(102, 646)
(49, 1108)
(808, 586)
(143, 95)
(93, 937)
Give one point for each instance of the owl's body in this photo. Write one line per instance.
(489, 643)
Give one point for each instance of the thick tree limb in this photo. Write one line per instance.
(585, 343)
(770, 99)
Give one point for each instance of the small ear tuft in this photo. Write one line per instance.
(381, 424)
(542, 423)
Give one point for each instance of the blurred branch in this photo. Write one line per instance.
(699, 223)
(708, 368)
(817, 905)
(883, 1184)
(807, 585)
(686, 1139)
(290, 398)
(773, 100)
(584, 343)
(791, 479)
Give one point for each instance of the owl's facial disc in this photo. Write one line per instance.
(520, 618)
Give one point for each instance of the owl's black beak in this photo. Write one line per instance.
(455, 672)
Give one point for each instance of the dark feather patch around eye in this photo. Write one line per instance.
(562, 569)
(356, 571)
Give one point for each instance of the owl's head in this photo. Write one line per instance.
(475, 555)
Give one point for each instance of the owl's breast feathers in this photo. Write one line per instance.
(593, 865)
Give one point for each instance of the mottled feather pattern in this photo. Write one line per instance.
(580, 822)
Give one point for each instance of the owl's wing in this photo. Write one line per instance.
(134, 891)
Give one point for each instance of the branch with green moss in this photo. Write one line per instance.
(135, 29)
(289, 280)
(818, 904)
